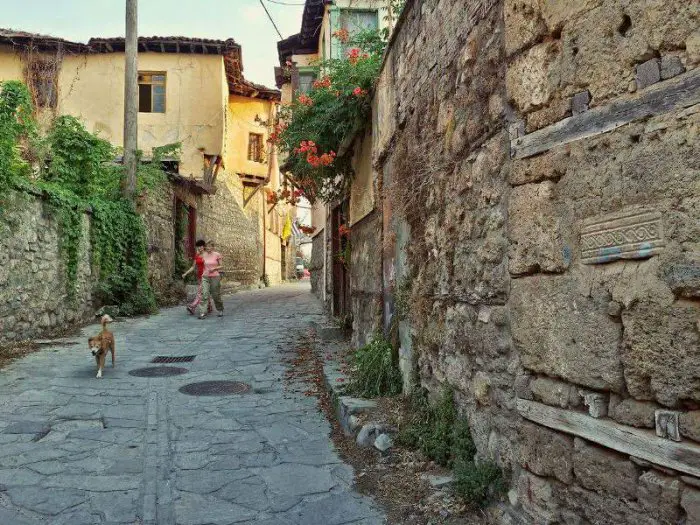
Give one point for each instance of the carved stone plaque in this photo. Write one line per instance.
(628, 234)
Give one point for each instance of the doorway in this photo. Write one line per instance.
(340, 252)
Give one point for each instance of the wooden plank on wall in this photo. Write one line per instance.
(644, 444)
(677, 93)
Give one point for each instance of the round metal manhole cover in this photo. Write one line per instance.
(215, 388)
(158, 371)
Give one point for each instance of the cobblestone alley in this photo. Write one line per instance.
(127, 449)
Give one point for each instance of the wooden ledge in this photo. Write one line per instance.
(644, 444)
(676, 93)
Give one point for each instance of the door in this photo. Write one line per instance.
(340, 245)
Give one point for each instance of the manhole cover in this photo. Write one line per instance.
(215, 388)
(173, 359)
(158, 371)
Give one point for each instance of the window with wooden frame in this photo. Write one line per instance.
(255, 147)
(151, 92)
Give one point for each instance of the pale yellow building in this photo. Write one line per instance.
(191, 91)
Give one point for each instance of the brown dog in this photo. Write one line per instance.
(101, 344)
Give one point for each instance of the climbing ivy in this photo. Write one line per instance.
(76, 173)
(16, 129)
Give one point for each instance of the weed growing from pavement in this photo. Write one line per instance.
(374, 372)
(443, 436)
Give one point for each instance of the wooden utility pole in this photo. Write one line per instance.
(131, 99)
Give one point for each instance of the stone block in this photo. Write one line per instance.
(661, 350)
(530, 80)
(667, 424)
(631, 412)
(536, 495)
(659, 495)
(563, 333)
(604, 471)
(596, 402)
(536, 230)
(546, 452)
(523, 24)
(671, 66)
(648, 73)
(601, 509)
(554, 393)
(690, 501)
(580, 101)
(690, 425)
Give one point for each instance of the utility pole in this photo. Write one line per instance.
(131, 99)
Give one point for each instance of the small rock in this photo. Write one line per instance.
(614, 309)
(353, 423)
(648, 73)
(383, 442)
(438, 481)
(580, 101)
(367, 435)
(671, 66)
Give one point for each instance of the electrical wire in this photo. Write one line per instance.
(286, 3)
(271, 20)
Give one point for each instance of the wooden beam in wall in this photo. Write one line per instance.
(644, 444)
(677, 93)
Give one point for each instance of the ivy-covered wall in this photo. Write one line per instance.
(33, 291)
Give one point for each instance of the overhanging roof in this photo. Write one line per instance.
(305, 42)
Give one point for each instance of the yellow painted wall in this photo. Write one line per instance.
(10, 64)
(91, 87)
(240, 122)
(362, 189)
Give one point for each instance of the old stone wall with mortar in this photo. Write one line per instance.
(33, 290)
(553, 261)
(34, 299)
(366, 279)
(235, 227)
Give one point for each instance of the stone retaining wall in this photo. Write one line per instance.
(551, 148)
(34, 299)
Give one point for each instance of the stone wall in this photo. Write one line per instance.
(33, 288)
(550, 149)
(234, 226)
(365, 279)
(159, 217)
(316, 268)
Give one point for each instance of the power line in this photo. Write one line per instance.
(271, 20)
(286, 3)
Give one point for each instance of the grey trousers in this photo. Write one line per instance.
(211, 287)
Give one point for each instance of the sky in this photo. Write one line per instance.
(243, 20)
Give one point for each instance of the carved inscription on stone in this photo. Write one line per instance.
(628, 234)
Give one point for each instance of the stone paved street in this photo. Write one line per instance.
(123, 449)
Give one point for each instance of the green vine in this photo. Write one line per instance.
(77, 173)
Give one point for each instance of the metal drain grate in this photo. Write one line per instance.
(215, 388)
(173, 359)
(158, 371)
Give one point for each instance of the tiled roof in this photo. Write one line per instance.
(306, 41)
(42, 42)
(228, 49)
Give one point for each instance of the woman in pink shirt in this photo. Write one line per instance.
(211, 281)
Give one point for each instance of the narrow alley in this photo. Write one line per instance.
(128, 449)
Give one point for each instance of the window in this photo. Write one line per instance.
(255, 147)
(152, 92)
(354, 21)
(306, 80)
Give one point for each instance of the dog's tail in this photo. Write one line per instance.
(105, 320)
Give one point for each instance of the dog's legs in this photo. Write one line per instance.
(101, 364)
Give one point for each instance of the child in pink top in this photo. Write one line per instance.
(211, 281)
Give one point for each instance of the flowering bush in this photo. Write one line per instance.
(319, 122)
(343, 230)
